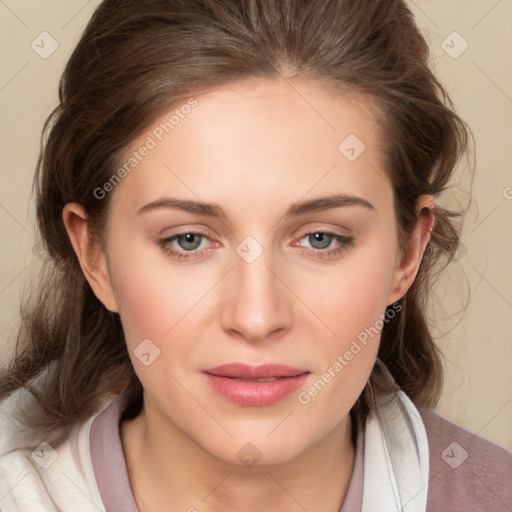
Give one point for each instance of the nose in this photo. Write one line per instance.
(257, 303)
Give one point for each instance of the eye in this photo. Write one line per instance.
(322, 240)
(186, 243)
(189, 241)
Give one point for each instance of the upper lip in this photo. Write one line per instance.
(247, 371)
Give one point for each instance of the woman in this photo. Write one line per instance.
(238, 202)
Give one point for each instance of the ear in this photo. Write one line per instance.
(406, 270)
(92, 258)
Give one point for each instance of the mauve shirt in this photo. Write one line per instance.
(467, 473)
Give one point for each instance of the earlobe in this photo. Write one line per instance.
(91, 257)
(406, 270)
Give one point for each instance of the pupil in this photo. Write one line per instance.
(323, 239)
(187, 241)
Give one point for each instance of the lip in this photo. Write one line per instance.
(247, 371)
(225, 380)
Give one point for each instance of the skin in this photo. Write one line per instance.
(254, 149)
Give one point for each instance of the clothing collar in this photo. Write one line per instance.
(396, 455)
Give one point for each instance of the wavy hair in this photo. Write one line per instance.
(137, 58)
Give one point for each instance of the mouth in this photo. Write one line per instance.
(255, 385)
(247, 372)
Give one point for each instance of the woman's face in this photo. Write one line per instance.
(274, 273)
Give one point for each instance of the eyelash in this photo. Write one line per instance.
(346, 243)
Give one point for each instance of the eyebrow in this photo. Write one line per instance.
(214, 210)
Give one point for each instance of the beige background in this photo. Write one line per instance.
(477, 344)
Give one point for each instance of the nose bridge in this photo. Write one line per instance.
(257, 304)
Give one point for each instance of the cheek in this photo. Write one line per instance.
(155, 304)
(150, 297)
(353, 308)
(154, 308)
(352, 304)
(354, 312)
(353, 299)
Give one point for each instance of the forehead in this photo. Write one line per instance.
(268, 140)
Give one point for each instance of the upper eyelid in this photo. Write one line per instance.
(314, 229)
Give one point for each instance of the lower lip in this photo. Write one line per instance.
(255, 393)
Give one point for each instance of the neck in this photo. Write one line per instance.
(169, 471)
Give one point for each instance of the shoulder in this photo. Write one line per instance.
(467, 472)
(38, 475)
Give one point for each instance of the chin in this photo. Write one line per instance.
(257, 451)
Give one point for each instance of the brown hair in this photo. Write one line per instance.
(136, 59)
